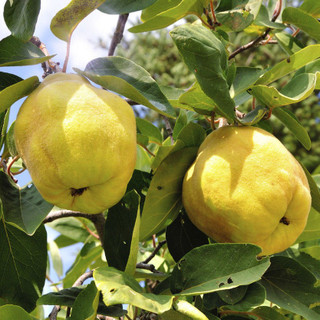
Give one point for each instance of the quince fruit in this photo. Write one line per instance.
(245, 187)
(78, 143)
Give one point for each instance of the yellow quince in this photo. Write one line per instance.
(78, 143)
(245, 187)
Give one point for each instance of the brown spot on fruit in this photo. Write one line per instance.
(285, 221)
(77, 192)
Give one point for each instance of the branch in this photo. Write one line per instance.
(83, 278)
(168, 128)
(118, 34)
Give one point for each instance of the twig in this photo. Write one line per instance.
(168, 128)
(155, 251)
(118, 34)
(149, 267)
(47, 66)
(83, 278)
(66, 59)
(99, 221)
(54, 313)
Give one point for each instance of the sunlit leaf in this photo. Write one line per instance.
(288, 43)
(312, 7)
(16, 91)
(9, 312)
(67, 19)
(165, 18)
(119, 287)
(293, 63)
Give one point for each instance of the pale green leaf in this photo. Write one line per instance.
(312, 7)
(119, 287)
(55, 258)
(124, 6)
(10, 312)
(67, 19)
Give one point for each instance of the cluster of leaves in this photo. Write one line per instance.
(190, 277)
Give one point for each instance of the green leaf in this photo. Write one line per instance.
(21, 17)
(292, 123)
(298, 89)
(8, 79)
(148, 129)
(314, 189)
(10, 143)
(53, 249)
(233, 296)
(206, 57)
(89, 253)
(16, 91)
(312, 7)
(119, 287)
(86, 304)
(67, 297)
(218, 266)
(163, 200)
(124, 6)
(4, 120)
(293, 63)
(9, 312)
(197, 100)
(66, 20)
(254, 116)
(144, 160)
(182, 236)
(180, 123)
(71, 228)
(267, 313)
(121, 233)
(264, 20)
(164, 19)
(312, 229)
(189, 310)
(15, 52)
(302, 20)
(292, 287)
(23, 265)
(129, 79)
(255, 296)
(22, 207)
(288, 43)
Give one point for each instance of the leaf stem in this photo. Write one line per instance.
(66, 59)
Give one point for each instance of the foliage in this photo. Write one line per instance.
(145, 258)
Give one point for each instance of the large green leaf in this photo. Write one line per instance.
(23, 261)
(292, 287)
(15, 52)
(267, 313)
(165, 18)
(86, 304)
(67, 297)
(312, 229)
(314, 189)
(124, 6)
(312, 7)
(292, 123)
(298, 89)
(10, 312)
(206, 56)
(130, 80)
(121, 233)
(66, 20)
(303, 21)
(163, 200)
(21, 17)
(149, 130)
(119, 287)
(218, 266)
(293, 63)
(16, 91)
(22, 207)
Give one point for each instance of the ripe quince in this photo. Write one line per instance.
(78, 143)
(246, 187)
